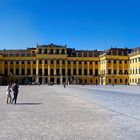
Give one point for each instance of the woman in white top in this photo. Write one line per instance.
(8, 95)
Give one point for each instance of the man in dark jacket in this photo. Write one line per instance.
(15, 92)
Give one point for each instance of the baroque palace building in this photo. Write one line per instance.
(56, 64)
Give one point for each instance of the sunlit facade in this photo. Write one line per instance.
(56, 64)
(134, 76)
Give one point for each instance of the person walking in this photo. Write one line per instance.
(15, 92)
(8, 95)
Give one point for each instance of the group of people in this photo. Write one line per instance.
(14, 89)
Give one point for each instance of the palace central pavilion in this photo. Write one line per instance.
(56, 64)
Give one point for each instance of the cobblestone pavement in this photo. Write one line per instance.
(57, 113)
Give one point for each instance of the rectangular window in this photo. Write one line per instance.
(6, 71)
(17, 71)
(109, 61)
(5, 62)
(34, 71)
(126, 72)
(22, 62)
(69, 62)
(28, 71)
(11, 71)
(96, 62)
(23, 71)
(96, 72)
(90, 62)
(91, 73)
(58, 61)
(63, 62)
(133, 71)
(40, 61)
(51, 61)
(115, 72)
(125, 61)
(109, 71)
(120, 62)
(120, 71)
(34, 62)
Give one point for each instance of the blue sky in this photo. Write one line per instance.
(81, 24)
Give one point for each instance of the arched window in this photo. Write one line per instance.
(51, 51)
(80, 71)
(22, 71)
(69, 72)
(63, 72)
(63, 62)
(63, 51)
(57, 72)
(45, 51)
(17, 71)
(46, 72)
(11, 71)
(34, 71)
(74, 71)
(51, 72)
(91, 72)
(96, 82)
(57, 51)
(40, 71)
(85, 71)
(126, 80)
(28, 71)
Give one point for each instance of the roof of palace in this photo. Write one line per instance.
(118, 51)
(51, 46)
(15, 52)
(71, 52)
(135, 50)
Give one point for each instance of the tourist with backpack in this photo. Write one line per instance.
(15, 92)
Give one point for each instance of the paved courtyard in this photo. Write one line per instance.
(71, 113)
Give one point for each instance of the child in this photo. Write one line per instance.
(8, 95)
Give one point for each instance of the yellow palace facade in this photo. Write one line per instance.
(56, 64)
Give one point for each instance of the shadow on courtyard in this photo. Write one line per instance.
(29, 103)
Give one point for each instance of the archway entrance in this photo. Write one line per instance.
(46, 80)
(58, 81)
(57, 72)
(63, 80)
(40, 80)
(51, 72)
(46, 72)
(40, 71)
(51, 81)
